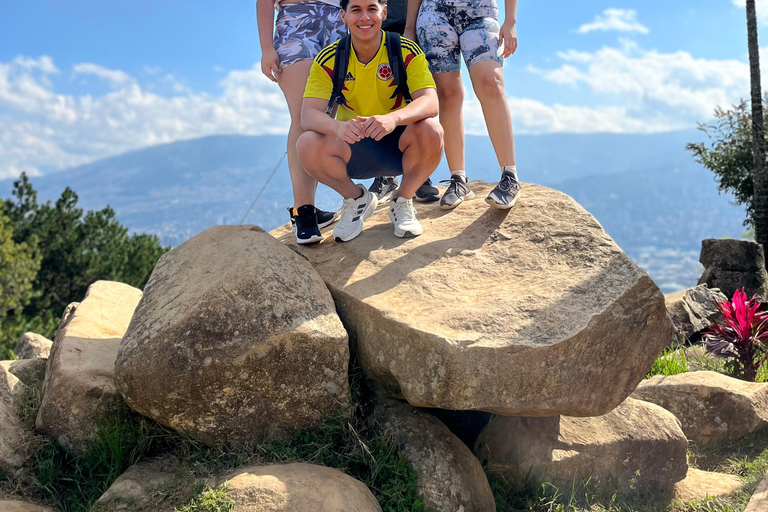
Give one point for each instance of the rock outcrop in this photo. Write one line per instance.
(709, 405)
(695, 310)
(637, 444)
(15, 448)
(450, 476)
(22, 506)
(236, 337)
(298, 487)
(533, 311)
(734, 264)
(29, 371)
(32, 345)
(699, 484)
(79, 388)
(139, 480)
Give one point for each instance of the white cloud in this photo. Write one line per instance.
(621, 20)
(114, 76)
(761, 8)
(675, 85)
(46, 130)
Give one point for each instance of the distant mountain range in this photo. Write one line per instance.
(646, 190)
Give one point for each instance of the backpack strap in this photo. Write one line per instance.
(395, 56)
(340, 66)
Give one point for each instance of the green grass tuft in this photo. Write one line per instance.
(210, 500)
(670, 362)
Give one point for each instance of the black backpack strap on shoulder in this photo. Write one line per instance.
(340, 66)
(395, 56)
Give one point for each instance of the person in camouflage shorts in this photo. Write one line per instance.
(447, 30)
(301, 30)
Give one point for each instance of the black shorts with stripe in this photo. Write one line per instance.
(372, 158)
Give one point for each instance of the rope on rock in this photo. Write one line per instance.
(263, 187)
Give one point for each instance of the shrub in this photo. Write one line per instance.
(670, 362)
(741, 335)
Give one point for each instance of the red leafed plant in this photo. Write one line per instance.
(741, 335)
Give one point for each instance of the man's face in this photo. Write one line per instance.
(364, 17)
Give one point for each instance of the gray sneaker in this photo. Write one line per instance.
(383, 186)
(506, 193)
(457, 191)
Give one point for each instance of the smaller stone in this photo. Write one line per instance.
(22, 506)
(32, 345)
(298, 487)
(695, 311)
(15, 445)
(710, 406)
(450, 476)
(636, 447)
(29, 371)
(140, 479)
(699, 484)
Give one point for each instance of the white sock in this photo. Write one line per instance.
(460, 172)
(509, 168)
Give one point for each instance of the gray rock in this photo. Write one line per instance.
(450, 476)
(236, 337)
(734, 264)
(15, 445)
(139, 480)
(637, 444)
(32, 345)
(710, 406)
(79, 388)
(695, 311)
(29, 371)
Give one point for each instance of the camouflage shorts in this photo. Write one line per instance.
(303, 29)
(447, 29)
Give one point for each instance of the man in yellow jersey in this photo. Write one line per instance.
(376, 133)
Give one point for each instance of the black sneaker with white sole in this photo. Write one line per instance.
(427, 193)
(383, 186)
(457, 191)
(323, 218)
(506, 193)
(305, 221)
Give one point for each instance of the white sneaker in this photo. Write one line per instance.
(353, 213)
(403, 215)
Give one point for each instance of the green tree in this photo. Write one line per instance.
(728, 154)
(75, 249)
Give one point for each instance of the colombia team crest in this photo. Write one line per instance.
(384, 72)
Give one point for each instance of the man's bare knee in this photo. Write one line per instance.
(428, 134)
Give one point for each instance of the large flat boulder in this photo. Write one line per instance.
(709, 405)
(298, 487)
(236, 337)
(636, 447)
(699, 484)
(532, 311)
(450, 476)
(22, 506)
(139, 480)
(79, 388)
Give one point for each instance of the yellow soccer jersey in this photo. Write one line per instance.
(368, 88)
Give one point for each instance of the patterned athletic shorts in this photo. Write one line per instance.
(447, 28)
(303, 29)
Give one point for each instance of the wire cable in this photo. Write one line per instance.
(264, 187)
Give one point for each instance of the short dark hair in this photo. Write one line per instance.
(345, 3)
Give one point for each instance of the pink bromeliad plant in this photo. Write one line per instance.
(742, 334)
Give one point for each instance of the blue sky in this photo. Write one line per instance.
(81, 80)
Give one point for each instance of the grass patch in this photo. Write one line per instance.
(73, 483)
(670, 362)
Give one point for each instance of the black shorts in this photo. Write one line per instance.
(371, 158)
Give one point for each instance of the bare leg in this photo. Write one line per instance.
(325, 159)
(292, 80)
(422, 146)
(450, 92)
(488, 83)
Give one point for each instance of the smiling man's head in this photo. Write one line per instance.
(364, 17)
